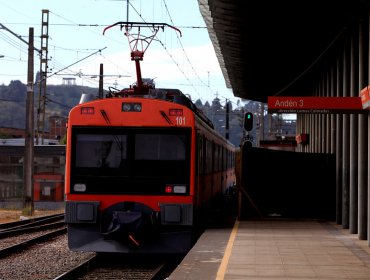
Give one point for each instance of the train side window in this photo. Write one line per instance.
(227, 158)
(208, 156)
(214, 157)
(217, 160)
(200, 149)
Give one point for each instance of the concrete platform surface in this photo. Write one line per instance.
(277, 250)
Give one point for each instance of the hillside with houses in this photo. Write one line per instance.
(61, 98)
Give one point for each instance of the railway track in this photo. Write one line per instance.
(17, 236)
(32, 226)
(105, 266)
(38, 249)
(17, 247)
(31, 222)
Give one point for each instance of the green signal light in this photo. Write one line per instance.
(248, 121)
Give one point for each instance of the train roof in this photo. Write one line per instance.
(166, 94)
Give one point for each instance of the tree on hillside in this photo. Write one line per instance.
(16, 91)
(61, 99)
(198, 103)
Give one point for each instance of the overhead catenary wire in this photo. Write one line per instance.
(13, 42)
(98, 33)
(77, 62)
(183, 49)
(72, 23)
(184, 64)
(57, 66)
(169, 54)
(2, 26)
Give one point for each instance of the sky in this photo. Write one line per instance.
(77, 45)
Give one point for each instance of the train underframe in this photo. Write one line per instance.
(130, 227)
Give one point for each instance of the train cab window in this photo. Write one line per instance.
(160, 154)
(160, 147)
(130, 160)
(100, 150)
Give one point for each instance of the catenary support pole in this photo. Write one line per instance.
(29, 135)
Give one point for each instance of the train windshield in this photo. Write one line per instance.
(113, 160)
(99, 150)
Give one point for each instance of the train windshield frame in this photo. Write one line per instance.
(134, 160)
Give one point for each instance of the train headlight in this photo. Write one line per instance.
(137, 107)
(126, 107)
(175, 189)
(79, 187)
(179, 189)
(131, 107)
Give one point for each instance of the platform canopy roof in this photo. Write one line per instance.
(276, 47)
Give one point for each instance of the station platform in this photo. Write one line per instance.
(277, 249)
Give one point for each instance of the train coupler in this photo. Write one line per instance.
(128, 227)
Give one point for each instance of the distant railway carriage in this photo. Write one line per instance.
(143, 166)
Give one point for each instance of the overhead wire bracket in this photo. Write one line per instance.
(139, 43)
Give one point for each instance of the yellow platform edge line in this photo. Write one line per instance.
(225, 260)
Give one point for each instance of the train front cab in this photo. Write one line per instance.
(142, 199)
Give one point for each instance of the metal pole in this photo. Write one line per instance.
(346, 143)
(43, 76)
(29, 135)
(227, 120)
(339, 147)
(101, 82)
(353, 143)
(368, 144)
(362, 146)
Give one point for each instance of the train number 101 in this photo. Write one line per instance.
(180, 120)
